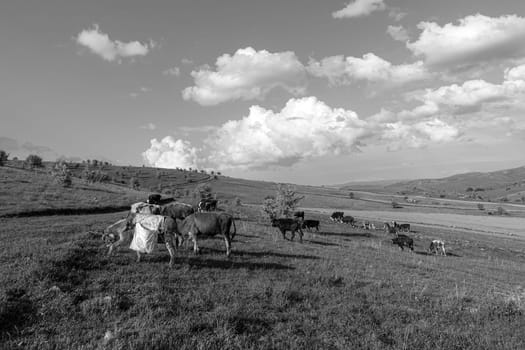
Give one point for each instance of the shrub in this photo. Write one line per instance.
(480, 206)
(283, 203)
(3, 157)
(396, 205)
(134, 183)
(501, 211)
(203, 191)
(61, 174)
(33, 161)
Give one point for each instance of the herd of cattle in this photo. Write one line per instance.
(172, 220)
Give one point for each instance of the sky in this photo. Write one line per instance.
(297, 91)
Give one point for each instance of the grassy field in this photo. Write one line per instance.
(342, 288)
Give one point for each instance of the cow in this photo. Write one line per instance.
(124, 228)
(310, 224)
(177, 210)
(403, 240)
(401, 227)
(299, 214)
(207, 204)
(287, 224)
(209, 224)
(389, 229)
(154, 199)
(348, 220)
(337, 216)
(437, 247)
(145, 208)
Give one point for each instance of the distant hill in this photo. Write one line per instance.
(503, 185)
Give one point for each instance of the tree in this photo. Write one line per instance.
(3, 157)
(480, 206)
(283, 203)
(203, 191)
(351, 195)
(396, 205)
(33, 161)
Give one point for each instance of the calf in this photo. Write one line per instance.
(298, 214)
(348, 220)
(401, 227)
(309, 224)
(337, 216)
(403, 241)
(292, 225)
(437, 247)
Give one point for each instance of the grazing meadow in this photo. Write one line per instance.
(344, 287)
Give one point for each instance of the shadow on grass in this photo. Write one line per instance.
(326, 244)
(346, 234)
(264, 253)
(432, 254)
(196, 262)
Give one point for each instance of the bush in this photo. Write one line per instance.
(33, 161)
(203, 191)
(61, 174)
(501, 211)
(396, 205)
(284, 203)
(134, 183)
(480, 206)
(3, 157)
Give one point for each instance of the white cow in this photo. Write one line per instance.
(437, 247)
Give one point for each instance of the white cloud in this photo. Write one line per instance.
(359, 8)
(399, 135)
(171, 153)
(100, 44)
(149, 126)
(173, 71)
(186, 61)
(398, 33)
(474, 39)
(247, 75)
(303, 129)
(396, 14)
(340, 70)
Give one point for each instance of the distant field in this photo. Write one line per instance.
(481, 224)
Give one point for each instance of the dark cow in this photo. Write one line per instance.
(298, 214)
(154, 199)
(209, 224)
(287, 224)
(337, 216)
(207, 204)
(348, 220)
(309, 224)
(403, 240)
(401, 227)
(177, 210)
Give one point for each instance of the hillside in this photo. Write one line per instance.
(497, 186)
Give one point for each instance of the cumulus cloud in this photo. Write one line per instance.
(417, 135)
(475, 103)
(341, 70)
(398, 33)
(360, 8)
(173, 71)
(303, 129)
(110, 50)
(171, 153)
(474, 39)
(247, 74)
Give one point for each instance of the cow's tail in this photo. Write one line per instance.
(234, 229)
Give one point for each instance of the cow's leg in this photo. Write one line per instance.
(293, 235)
(169, 245)
(193, 237)
(283, 231)
(114, 246)
(300, 235)
(227, 242)
(138, 256)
